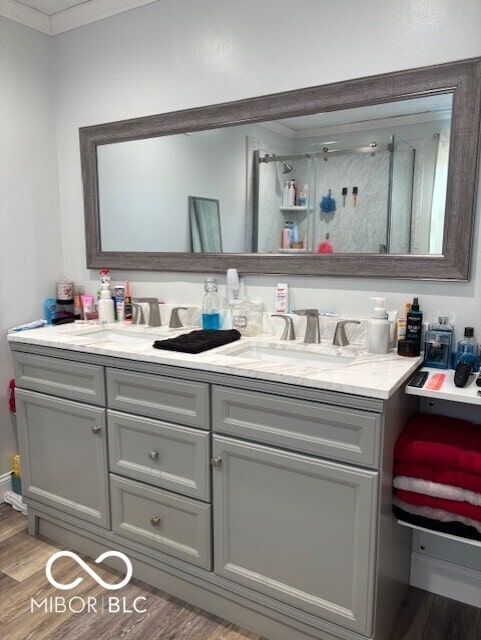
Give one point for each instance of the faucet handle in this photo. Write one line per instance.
(138, 313)
(154, 312)
(340, 338)
(175, 322)
(289, 332)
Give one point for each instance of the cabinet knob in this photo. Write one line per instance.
(153, 455)
(155, 521)
(96, 429)
(216, 462)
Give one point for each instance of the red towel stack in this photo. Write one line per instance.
(437, 475)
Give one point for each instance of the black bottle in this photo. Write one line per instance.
(411, 346)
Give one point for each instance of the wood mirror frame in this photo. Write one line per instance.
(462, 79)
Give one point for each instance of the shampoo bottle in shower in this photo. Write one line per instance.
(291, 201)
(285, 195)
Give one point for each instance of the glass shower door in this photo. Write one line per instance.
(399, 227)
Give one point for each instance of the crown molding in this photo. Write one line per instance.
(68, 19)
(25, 15)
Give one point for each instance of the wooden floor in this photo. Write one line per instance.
(424, 616)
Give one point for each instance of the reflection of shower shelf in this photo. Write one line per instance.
(281, 250)
(296, 208)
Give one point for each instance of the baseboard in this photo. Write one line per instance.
(5, 485)
(446, 579)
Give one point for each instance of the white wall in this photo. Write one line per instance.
(178, 54)
(30, 226)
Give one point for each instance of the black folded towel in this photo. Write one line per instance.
(198, 341)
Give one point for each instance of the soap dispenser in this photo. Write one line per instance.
(105, 305)
(378, 329)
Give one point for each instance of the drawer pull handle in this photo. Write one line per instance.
(96, 429)
(153, 455)
(216, 462)
(155, 521)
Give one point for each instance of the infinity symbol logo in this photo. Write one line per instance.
(87, 569)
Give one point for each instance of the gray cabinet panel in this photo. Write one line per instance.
(63, 450)
(159, 397)
(57, 377)
(165, 455)
(350, 435)
(298, 529)
(177, 526)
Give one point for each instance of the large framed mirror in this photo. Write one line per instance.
(372, 177)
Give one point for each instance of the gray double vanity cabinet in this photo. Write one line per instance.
(265, 502)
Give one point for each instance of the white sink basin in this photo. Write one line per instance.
(144, 335)
(289, 354)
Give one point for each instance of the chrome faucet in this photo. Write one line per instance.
(175, 322)
(289, 332)
(340, 338)
(154, 313)
(137, 313)
(313, 332)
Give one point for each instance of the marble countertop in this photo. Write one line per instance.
(374, 376)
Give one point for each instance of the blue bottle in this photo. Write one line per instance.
(210, 305)
(438, 344)
(468, 349)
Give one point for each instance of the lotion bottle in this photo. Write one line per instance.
(105, 305)
(378, 329)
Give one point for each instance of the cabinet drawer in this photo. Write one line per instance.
(57, 377)
(349, 435)
(168, 456)
(159, 397)
(177, 526)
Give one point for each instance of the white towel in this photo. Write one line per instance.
(16, 501)
(437, 490)
(436, 514)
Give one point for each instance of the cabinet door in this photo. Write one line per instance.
(299, 529)
(63, 452)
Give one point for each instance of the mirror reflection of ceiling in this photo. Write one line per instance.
(144, 185)
(427, 109)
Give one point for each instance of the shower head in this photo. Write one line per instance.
(286, 167)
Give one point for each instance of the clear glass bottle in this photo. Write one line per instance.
(247, 317)
(210, 305)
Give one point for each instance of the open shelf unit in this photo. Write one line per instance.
(449, 536)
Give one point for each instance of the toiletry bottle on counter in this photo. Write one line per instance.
(378, 329)
(468, 349)
(411, 345)
(105, 305)
(438, 343)
(210, 305)
(282, 298)
(65, 299)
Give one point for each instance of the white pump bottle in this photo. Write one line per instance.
(105, 305)
(378, 329)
